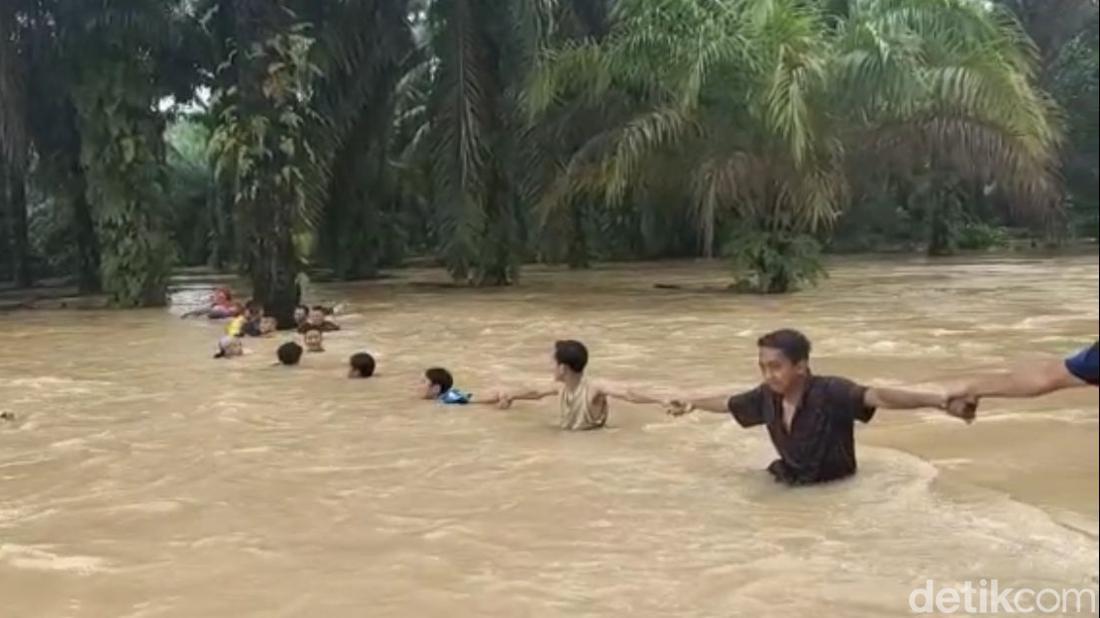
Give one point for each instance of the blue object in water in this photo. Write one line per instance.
(454, 397)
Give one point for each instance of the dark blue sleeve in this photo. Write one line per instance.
(1086, 365)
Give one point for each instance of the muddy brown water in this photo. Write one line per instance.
(141, 477)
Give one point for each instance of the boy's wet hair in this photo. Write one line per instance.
(440, 377)
(363, 364)
(572, 354)
(254, 306)
(289, 353)
(793, 344)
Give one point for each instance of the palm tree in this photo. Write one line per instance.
(47, 132)
(261, 149)
(769, 100)
(725, 85)
(1065, 31)
(365, 51)
(483, 51)
(119, 78)
(95, 72)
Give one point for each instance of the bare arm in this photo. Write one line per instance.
(898, 399)
(629, 392)
(719, 404)
(505, 398)
(1031, 380)
(533, 394)
(490, 398)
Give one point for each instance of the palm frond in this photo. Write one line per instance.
(950, 83)
(723, 183)
(639, 138)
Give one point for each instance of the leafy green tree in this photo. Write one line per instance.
(769, 100)
(261, 148)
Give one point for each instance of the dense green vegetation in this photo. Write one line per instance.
(345, 136)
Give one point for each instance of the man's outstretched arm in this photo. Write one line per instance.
(901, 399)
(707, 402)
(630, 392)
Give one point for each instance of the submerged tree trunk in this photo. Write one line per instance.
(264, 208)
(17, 217)
(274, 275)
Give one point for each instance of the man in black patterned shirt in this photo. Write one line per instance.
(809, 418)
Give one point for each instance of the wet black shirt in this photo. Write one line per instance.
(820, 445)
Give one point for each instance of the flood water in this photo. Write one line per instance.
(141, 477)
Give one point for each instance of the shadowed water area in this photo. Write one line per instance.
(142, 478)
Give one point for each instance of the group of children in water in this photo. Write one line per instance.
(810, 419)
(584, 406)
(248, 320)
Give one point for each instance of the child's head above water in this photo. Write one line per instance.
(268, 325)
(301, 312)
(289, 353)
(314, 340)
(221, 296)
(254, 309)
(229, 347)
(316, 315)
(570, 358)
(437, 381)
(361, 365)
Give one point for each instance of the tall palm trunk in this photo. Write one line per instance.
(17, 216)
(87, 244)
(577, 256)
(4, 235)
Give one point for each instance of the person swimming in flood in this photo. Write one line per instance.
(314, 318)
(582, 403)
(221, 306)
(314, 340)
(229, 347)
(810, 419)
(361, 365)
(438, 384)
(250, 323)
(289, 354)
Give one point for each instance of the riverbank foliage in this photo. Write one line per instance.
(342, 137)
